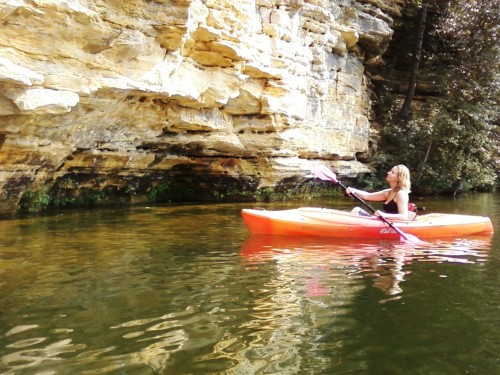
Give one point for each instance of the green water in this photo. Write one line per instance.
(185, 290)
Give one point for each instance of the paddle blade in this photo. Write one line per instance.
(410, 238)
(404, 237)
(323, 173)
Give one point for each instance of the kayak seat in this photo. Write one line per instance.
(412, 208)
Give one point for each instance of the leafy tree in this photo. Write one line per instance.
(416, 57)
(450, 137)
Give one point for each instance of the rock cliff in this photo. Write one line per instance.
(112, 100)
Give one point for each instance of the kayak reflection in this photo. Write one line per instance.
(319, 262)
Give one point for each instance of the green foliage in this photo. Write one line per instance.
(63, 194)
(451, 140)
(84, 198)
(290, 189)
(159, 192)
(35, 201)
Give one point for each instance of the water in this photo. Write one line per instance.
(185, 290)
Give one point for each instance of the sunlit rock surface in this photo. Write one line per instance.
(128, 99)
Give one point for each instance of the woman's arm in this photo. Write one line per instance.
(377, 196)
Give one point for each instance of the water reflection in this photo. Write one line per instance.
(321, 280)
(382, 260)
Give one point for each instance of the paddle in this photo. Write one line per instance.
(323, 173)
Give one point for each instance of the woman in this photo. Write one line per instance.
(395, 198)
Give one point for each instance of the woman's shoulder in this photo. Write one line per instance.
(403, 193)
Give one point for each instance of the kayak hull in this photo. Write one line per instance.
(323, 222)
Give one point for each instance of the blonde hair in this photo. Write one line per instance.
(404, 182)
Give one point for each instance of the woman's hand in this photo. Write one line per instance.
(351, 191)
(379, 213)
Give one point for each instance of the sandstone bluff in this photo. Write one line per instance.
(127, 100)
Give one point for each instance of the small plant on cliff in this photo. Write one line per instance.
(35, 201)
(158, 192)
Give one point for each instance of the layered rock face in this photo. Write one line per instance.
(146, 99)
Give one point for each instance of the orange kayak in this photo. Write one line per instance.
(324, 222)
